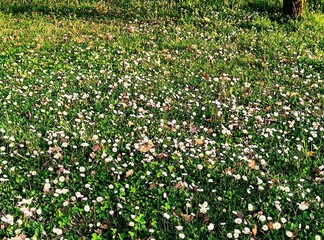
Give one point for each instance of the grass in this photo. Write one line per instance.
(160, 120)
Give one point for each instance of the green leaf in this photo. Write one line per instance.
(170, 167)
(95, 236)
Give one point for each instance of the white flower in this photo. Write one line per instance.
(260, 181)
(65, 190)
(99, 199)
(318, 237)
(265, 227)
(250, 207)
(211, 226)
(262, 218)
(179, 228)
(182, 236)
(39, 211)
(283, 220)
(167, 216)
(78, 195)
(204, 207)
(86, 208)
(276, 225)
(246, 230)
(289, 234)
(57, 231)
(229, 235)
(238, 220)
(61, 179)
(25, 201)
(205, 204)
(119, 206)
(237, 231)
(236, 234)
(131, 224)
(200, 167)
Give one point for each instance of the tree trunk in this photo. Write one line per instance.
(293, 8)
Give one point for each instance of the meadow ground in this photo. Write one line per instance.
(160, 120)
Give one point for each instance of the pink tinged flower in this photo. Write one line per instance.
(26, 211)
(204, 210)
(47, 187)
(237, 233)
(8, 219)
(303, 206)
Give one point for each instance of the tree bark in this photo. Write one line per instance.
(293, 8)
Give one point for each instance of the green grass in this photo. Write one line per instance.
(160, 120)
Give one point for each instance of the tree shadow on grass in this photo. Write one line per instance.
(112, 10)
(85, 12)
(264, 6)
(272, 9)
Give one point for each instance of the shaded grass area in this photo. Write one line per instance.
(130, 10)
